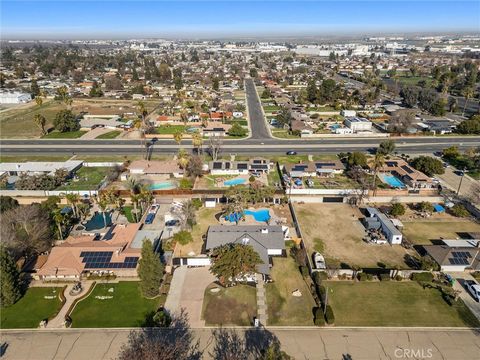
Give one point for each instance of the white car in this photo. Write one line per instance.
(319, 261)
(153, 209)
(474, 289)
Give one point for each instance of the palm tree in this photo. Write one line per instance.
(197, 141)
(134, 198)
(145, 197)
(83, 211)
(38, 100)
(378, 162)
(73, 199)
(182, 158)
(467, 93)
(178, 136)
(142, 126)
(133, 184)
(40, 121)
(59, 219)
(103, 205)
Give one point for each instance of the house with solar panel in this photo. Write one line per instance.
(314, 168)
(116, 252)
(456, 255)
(226, 167)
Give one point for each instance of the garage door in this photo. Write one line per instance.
(333, 199)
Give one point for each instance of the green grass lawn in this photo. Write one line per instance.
(31, 308)
(235, 305)
(322, 109)
(273, 176)
(170, 129)
(127, 211)
(422, 232)
(89, 179)
(393, 304)
(109, 135)
(127, 308)
(270, 108)
(284, 134)
(283, 307)
(64, 135)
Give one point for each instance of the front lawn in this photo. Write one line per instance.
(271, 108)
(109, 135)
(127, 211)
(170, 129)
(283, 308)
(393, 304)
(64, 135)
(89, 178)
(284, 134)
(422, 232)
(123, 307)
(235, 305)
(32, 308)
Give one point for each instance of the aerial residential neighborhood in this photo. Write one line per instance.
(247, 195)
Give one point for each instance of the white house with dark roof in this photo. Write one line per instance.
(226, 167)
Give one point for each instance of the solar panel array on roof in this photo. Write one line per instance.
(227, 165)
(458, 261)
(300, 167)
(242, 166)
(323, 164)
(259, 166)
(102, 260)
(407, 168)
(257, 161)
(217, 165)
(461, 254)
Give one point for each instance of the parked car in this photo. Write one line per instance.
(149, 218)
(319, 261)
(474, 289)
(291, 152)
(309, 183)
(171, 223)
(153, 209)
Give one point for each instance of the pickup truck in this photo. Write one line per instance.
(474, 289)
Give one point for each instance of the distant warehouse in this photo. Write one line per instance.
(14, 98)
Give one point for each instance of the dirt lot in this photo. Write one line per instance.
(335, 230)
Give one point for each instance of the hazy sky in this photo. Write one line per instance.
(130, 19)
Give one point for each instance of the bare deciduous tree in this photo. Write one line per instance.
(215, 146)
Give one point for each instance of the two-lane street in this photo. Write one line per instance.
(255, 113)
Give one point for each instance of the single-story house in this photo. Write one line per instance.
(226, 167)
(358, 124)
(147, 167)
(39, 167)
(114, 252)
(456, 255)
(407, 174)
(314, 168)
(267, 241)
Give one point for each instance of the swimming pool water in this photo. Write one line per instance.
(262, 215)
(165, 185)
(236, 181)
(97, 221)
(393, 181)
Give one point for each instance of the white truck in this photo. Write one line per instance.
(474, 289)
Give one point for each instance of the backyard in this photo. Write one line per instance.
(235, 305)
(114, 305)
(37, 304)
(170, 129)
(336, 231)
(283, 307)
(89, 178)
(393, 304)
(421, 232)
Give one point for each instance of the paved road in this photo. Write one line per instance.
(255, 113)
(248, 146)
(313, 343)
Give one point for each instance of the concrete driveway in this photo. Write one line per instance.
(464, 294)
(186, 292)
(452, 181)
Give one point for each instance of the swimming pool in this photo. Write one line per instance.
(236, 181)
(164, 185)
(97, 221)
(262, 215)
(392, 181)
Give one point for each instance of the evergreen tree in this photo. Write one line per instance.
(9, 279)
(150, 270)
(34, 89)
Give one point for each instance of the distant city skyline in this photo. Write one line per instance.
(224, 19)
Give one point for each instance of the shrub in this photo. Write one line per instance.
(183, 237)
(185, 183)
(397, 210)
(423, 276)
(398, 278)
(197, 203)
(319, 319)
(304, 271)
(362, 276)
(318, 276)
(321, 291)
(384, 277)
(425, 207)
(329, 316)
(459, 211)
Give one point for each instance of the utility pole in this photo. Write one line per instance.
(326, 301)
(461, 179)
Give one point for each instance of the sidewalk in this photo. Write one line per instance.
(261, 300)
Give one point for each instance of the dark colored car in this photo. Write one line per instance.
(291, 152)
(171, 223)
(149, 218)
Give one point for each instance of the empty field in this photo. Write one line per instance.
(422, 232)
